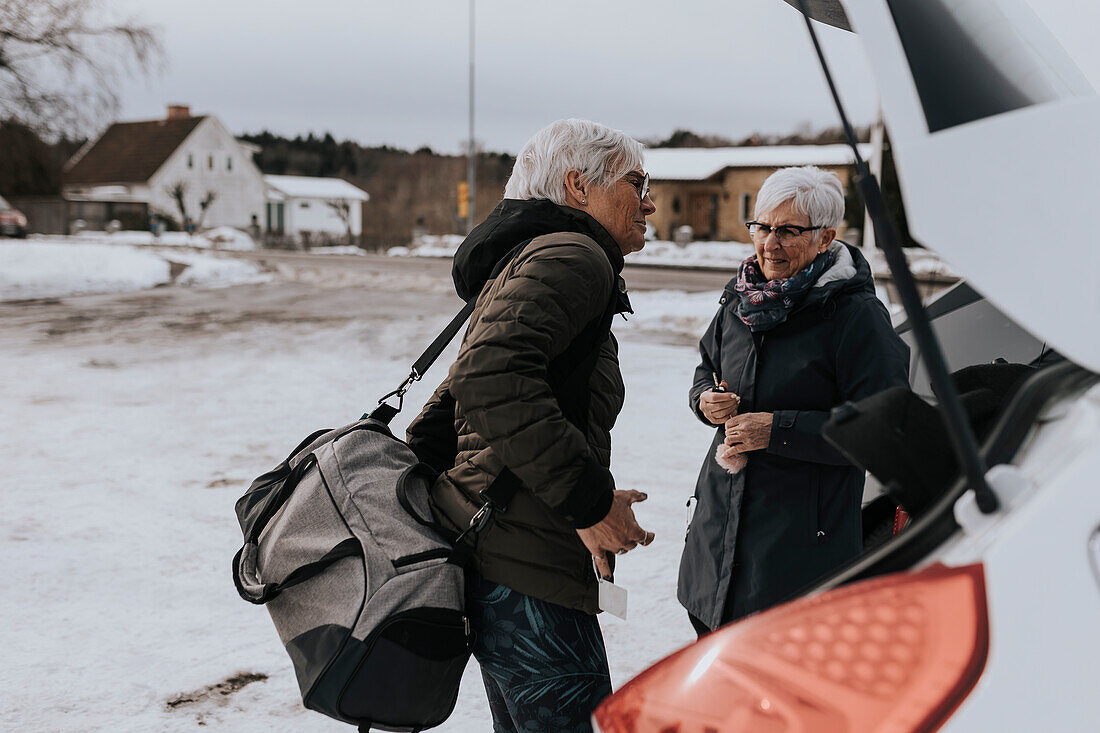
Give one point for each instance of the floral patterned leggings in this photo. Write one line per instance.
(544, 665)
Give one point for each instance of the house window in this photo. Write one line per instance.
(746, 199)
(229, 163)
(676, 205)
(210, 162)
(304, 205)
(190, 160)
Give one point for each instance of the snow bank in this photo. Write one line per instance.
(339, 249)
(46, 270)
(725, 255)
(65, 266)
(226, 238)
(721, 255)
(215, 271)
(671, 311)
(657, 252)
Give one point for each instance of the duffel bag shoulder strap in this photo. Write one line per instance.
(385, 412)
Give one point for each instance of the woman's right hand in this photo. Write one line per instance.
(618, 532)
(717, 407)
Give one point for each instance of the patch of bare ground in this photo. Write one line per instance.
(218, 693)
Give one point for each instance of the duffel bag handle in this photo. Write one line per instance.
(246, 574)
(403, 492)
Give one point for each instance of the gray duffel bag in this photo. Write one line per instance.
(341, 548)
(366, 591)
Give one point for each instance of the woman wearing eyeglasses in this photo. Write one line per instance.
(529, 404)
(798, 332)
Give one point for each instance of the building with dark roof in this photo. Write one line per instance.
(137, 171)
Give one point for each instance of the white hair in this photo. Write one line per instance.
(817, 194)
(601, 155)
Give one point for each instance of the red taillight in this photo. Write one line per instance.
(897, 653)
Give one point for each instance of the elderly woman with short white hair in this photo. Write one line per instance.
(528, 406)
(798, 332)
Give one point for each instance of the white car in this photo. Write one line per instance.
(983, 614)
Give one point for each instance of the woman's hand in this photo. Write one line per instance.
(718, 406)
(751, 431)
(618, 532)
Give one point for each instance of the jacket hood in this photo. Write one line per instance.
(514, 222)
(850, 272)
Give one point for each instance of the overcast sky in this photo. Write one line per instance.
(396, 72)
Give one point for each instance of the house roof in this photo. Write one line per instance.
(130, 152)
(307, 187)
(696, 164)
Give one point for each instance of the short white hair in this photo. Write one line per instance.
(601, 155)
(817, 194)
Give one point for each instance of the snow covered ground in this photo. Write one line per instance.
(226, 238)
(47, 267)
(131, 424)
(134, 418)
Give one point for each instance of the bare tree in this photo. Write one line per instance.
(343, 210)
(204, 204)
(61, 60)
(178, 192)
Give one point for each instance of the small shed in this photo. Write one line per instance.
(713, 190)
(314, 211)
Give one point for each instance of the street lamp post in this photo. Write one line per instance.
(471, 157)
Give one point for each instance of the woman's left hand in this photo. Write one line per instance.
(750, 431)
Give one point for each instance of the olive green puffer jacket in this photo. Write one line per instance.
(507, 415)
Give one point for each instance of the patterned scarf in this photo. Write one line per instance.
(764, 304)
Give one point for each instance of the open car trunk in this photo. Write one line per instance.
(962, 83)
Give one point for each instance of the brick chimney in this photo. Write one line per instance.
(179, 111)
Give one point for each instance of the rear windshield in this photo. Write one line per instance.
(967, 61)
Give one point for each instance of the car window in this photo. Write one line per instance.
(4, 205)
(971, 330)
(968, 63)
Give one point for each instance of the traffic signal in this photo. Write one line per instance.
(463, 199)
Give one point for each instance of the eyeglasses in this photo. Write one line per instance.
(641, 185)
(786, 233)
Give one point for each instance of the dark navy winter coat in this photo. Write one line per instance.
(793, 514)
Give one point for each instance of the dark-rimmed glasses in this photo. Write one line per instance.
(641, 185)
(785, 233)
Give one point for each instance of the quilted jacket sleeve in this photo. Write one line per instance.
(431, 435)
(499, 381)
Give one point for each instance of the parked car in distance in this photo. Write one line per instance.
(12, 221)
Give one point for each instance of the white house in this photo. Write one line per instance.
(133, 170)
(314, 210)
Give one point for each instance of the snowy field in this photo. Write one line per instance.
(133, 421)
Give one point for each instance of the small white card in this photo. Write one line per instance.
(612, 597)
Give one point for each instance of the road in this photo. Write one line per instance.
(638, 277)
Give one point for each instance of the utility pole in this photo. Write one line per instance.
(878, 134)
(471, 158)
